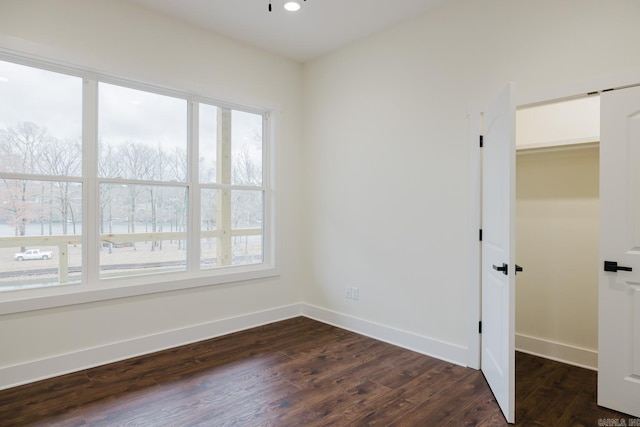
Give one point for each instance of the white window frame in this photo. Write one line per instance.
(92, 288)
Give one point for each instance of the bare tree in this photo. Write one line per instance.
(21, 147)
(246, 170)
(177, 171)
(246, 205)
(64, 158)
(156, 171)
(136, 162)
(108, 167)
(177, 165)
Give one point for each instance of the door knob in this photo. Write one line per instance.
(518, 269)
(614, 267)
(504, 268)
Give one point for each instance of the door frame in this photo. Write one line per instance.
(525, 96)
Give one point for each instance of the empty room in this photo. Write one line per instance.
(230, 212)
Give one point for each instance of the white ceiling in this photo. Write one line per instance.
(320, 26)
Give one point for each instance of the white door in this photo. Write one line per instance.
(498, 248)
(619, 312)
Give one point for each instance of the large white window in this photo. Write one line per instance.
(40, 177)
(143, 181)
(105, 183)
(231, 190)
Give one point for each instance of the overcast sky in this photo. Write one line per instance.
(54, 100)
(47, 99)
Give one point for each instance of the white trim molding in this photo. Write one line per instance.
(28, 372)
(560, 352)
(428, 346)
(474, 267)
(11, 376)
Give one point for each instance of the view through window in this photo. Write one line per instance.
(41, 168)
(162, 195)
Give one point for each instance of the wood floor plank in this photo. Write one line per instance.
(214, 410)
(482, 411)
(384, 413)
(300, 372)
(584, 409)
(443, 407)
(526, 383)
(548, 402)
(433, 382)
(404, 368)
(332, 412)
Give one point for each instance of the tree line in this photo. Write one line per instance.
(56, 205)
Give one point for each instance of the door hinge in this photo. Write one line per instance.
(481, 141)
(480, 327)
(480, 236)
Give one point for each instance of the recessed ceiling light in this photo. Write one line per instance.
(292, 6)
(289, 5)
(3, 79)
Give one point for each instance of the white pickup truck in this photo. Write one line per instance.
(33, 254)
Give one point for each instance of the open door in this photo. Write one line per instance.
(498, 250)
(619, 288)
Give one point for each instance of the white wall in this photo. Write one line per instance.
(386, 146)
(115, 37)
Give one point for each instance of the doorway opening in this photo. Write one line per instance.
(618, 285)
(557, 229)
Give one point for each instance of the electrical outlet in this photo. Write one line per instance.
(355, 293)
(349, 292)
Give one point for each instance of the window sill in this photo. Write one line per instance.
(64, 295)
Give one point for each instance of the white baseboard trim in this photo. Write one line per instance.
(28, 372)
(50, 367)
(560, 352)
(418, 343)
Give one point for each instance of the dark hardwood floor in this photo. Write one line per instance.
(300, 372)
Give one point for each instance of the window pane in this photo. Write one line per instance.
(42, 266)
(247, 250)
(143, 229)
(40, 121)
(208, 253)
(246, 218)
(142, 135)
(208, 212)
(41, 225)
(208, 224)
(246, 148)
(246, 213)
(208, 122)
(246, 209)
